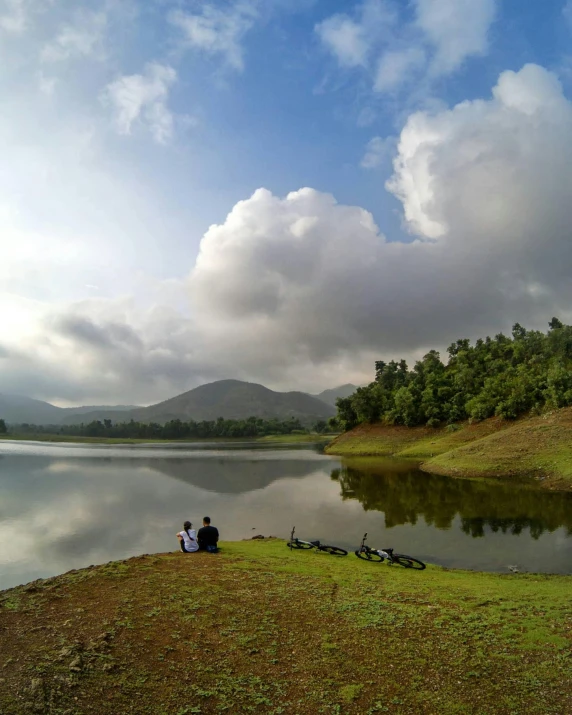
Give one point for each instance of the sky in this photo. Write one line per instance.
(280, 191)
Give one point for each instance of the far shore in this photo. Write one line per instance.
(74, 439)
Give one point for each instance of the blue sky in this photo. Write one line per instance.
(129, 128)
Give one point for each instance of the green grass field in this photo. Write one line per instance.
(260, 629)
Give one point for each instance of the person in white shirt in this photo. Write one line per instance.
(188, 538)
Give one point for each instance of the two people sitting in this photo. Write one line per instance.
(206, 540)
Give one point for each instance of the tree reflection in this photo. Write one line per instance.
(404, 493)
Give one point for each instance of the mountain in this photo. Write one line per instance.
(66, 411)
(16, 409)
(330, 396)
(231, 399)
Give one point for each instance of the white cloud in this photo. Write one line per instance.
(352, 39)
(479, 157)
(301, 291)
(378, 151)
(345, 39)
(457, 28)
(442, 35)
(82, 38)
(395, 67)
(142, 98)
(14, 16)
(218, 31)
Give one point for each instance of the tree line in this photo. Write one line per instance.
(504, 376)
(174, 429)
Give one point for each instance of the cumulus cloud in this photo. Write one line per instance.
(142, 98)
(378, 151)
(456, 28)
(345, 38)
(218, 31)
(396, 66)
(436, 42)
(352, 39)
(303, 291)
(81, 38)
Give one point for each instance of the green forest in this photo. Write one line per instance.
(503, 376)
(174, 429)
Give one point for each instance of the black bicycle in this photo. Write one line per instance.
(296, 543)
(366, 553)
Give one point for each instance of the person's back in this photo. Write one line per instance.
(188, 538)
(208, 536)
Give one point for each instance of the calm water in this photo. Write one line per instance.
(68, 506)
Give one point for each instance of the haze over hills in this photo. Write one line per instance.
(231, 399)
(330, 396)
(16, 409)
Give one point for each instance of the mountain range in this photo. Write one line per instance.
(230, 399)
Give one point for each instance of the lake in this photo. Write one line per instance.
(65, 506)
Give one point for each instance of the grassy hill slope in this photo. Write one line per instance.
(257, 629)
(534, 446)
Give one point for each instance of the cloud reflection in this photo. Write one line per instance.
(58, 511)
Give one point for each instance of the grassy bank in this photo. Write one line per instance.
(282, 438)
(538, 446)
(259, 629)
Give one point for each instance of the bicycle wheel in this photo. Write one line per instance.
(334, 550)
(299, 545)
(368, 555)
(408, 562)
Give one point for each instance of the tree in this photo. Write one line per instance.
(506, 376)
(3, 428)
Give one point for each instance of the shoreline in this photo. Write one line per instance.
(536, 448)
(70, 439)
(264, 630)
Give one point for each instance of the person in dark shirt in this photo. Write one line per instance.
(208, 536)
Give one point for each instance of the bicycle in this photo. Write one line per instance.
(366, 553)
(296, 543)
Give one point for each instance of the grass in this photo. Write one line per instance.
(536, 446)
(257, 629)
(282, 438)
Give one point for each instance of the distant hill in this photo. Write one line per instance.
(67, 411)
(16, 409)
(231, 399)
(330, 396)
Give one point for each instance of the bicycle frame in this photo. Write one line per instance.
(297, 543)
(383, 553)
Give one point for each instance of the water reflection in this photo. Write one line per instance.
(67, 507)
(404, 493)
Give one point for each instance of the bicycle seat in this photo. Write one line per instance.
(315, 543)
